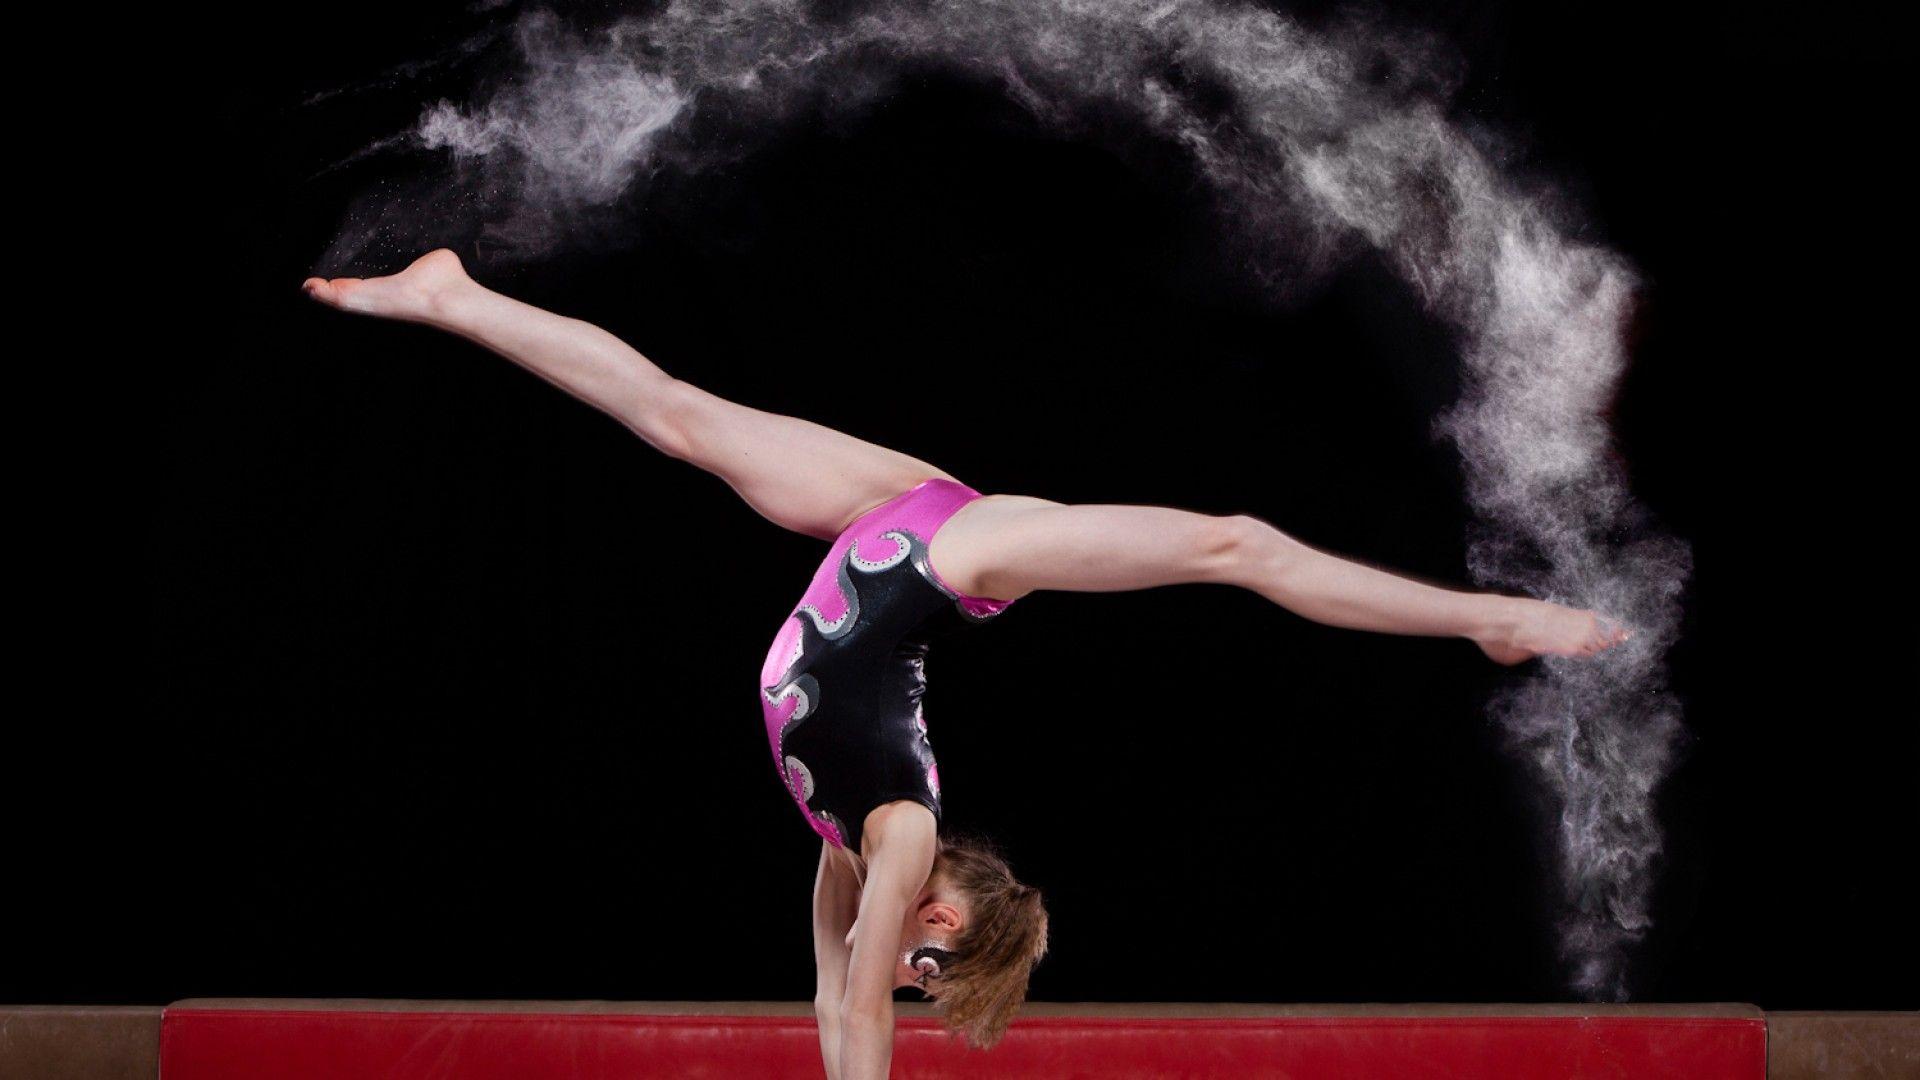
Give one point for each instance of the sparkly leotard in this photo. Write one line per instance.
(841, 686)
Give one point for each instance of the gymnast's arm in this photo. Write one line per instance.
(901, 844)
(836, 900)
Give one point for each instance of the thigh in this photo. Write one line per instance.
(1005, 546)
(798, 474)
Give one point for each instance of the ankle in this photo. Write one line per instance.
(447, 305)
(1494, 618)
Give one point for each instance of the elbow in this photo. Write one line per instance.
(829, 1001)
(860, 1017)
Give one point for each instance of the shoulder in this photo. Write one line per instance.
(903, 822)
(901, 836)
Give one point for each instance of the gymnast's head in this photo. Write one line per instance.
(972, 937)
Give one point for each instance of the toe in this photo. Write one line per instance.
(322, 290)
(331, 292)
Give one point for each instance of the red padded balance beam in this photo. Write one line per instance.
(309, 1040)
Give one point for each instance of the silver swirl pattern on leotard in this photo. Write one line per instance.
(799, 778)
(903, 544)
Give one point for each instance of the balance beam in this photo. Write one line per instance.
(228, 1040)
(294, 1039)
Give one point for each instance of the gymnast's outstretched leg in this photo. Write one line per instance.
(1007, 546)
(798, 474)
(814, 480)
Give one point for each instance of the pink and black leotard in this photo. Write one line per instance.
(841, 687)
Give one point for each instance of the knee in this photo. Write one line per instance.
(1227, 543)
(670, 417)
(1239, 547)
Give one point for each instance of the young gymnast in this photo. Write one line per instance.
(894, 904)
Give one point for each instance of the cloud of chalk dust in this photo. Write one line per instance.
(1322, 144)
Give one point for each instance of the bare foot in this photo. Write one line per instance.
(1530, 628)
(413, 294)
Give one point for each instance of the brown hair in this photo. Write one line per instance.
(1005, 935)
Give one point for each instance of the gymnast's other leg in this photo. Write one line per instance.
(798, 474)
(1006, 546)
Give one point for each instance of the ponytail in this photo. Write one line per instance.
(1004, 937)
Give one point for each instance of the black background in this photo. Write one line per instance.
(437, 683)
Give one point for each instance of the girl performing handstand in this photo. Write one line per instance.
(913, 549)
